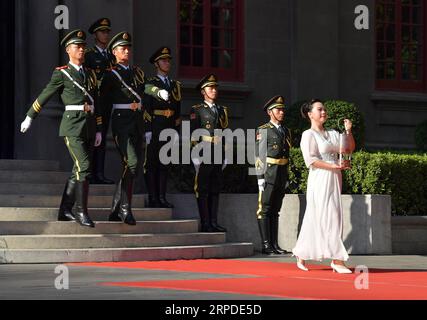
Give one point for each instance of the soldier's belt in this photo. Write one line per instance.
(165, 113)
(83, 107)
(279, 162)
(127, 106)
(210, 139)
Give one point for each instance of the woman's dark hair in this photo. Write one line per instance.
(307, 107)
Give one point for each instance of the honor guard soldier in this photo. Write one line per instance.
(99, 59)
(79, 126)
(125, 86)
(273, 142)
(208, 182)
(160, 115)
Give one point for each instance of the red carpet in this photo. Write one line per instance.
(282, 280)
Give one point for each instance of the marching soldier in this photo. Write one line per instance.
(209, 116)
(273, 142)
(125, 86)
(160, 115)
(79, 126)
(99, 59)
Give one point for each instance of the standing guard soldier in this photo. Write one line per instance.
(99, 59)
(160, 115)
(273, 142)
(125, 86)
(208, 182)
(79, 127)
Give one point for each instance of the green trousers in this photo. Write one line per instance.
(129, 147)
(80, 151)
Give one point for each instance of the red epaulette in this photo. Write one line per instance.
(62, 68)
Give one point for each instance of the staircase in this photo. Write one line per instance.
(30, 193)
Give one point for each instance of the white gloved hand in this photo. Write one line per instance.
(164, 95)
(26, 124)
(261, 185)
(98, 139)
(196, 163)
(224, 165)
(148, 137)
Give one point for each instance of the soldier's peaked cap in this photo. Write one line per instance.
(100, 25)
(277, 102)
(74, 37)
(161, 53)
(121, 39)
(210, 80)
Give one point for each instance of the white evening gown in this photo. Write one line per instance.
(321, 232)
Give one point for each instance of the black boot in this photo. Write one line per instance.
(213, 213)
(115, 207)
(163, 179)
(98, 177)
(65, 212)
(82, 194)
(152, 190)
(264, 229)
(202, 203)
(274, 227)
(125, 208)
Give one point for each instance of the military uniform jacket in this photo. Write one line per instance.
(203, 117)
(270, 143)
(96, 61)
(171, 118)
(114, 91)
(73, 123)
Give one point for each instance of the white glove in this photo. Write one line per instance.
(261, 185)
(196, 163)
(148, 137)
(26, 124)
(224, 164)
(164, 95)
(98, 139)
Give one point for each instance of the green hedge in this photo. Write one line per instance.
(404, 177)
(337, 110)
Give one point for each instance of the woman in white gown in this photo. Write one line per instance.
(321, 232)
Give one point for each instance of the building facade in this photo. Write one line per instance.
(297, 48)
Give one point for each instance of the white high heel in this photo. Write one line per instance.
(340, 269)
(300, 265)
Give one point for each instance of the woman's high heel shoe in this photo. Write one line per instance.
(300, 265)
(339, 268)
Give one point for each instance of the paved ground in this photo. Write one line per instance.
(38, 281)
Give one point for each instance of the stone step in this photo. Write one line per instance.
(109, 241)
(217, 251)
(46, 201)
(100, 214)
(50, 189)
(29, 165)
(69, 228)
(56, 177)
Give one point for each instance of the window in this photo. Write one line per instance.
(210, 36)
(400, 51)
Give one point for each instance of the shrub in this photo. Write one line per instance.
(337, 110)
(404, 177)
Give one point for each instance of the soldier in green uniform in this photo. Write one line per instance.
(273, 142)
(124, 86)
(79, 126)
(209, 116)
(160, 115)
(99, 59)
